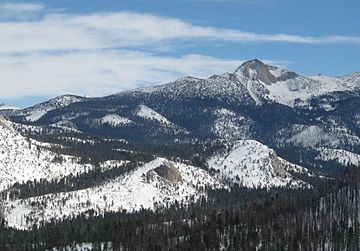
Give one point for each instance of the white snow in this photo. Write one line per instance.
(109, 164)
(86, 246)
(253, 164)
(342, 157)
(335, 136)
(115, 120)
(148, 113)
(38, 111)
(312, 136)
(21, 160)
(277, 71)
(291, 90)
(36, 115)
(6, 107)
(66, 125)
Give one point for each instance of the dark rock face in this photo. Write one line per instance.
(287, 75)
(169, 172)
(262, 72)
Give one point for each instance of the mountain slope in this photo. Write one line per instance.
(21, 160)
(254, 165)
(36, 112)
(143, 188)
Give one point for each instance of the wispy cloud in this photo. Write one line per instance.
(124, 29)
(248, 2)
(20, 11)
(99, 72)
(22, 7)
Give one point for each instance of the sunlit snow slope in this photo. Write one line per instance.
(21, 160)
(253, 165)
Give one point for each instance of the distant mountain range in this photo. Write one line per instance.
(259, 127)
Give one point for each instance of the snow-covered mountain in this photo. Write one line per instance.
(288, 88)
(256, 82)
(156, 184)
(265, 82)
(254, 165)
(303, 123)
(36, 112)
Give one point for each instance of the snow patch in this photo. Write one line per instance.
(148, 113)
(115, 120)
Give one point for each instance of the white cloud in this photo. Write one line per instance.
(99, 72)
(124, 29)
(20, 11)
(22, 7)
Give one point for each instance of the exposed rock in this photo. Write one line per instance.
(168, 172)
(278, 166)
(255, 69)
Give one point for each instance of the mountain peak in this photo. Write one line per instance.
(256, 70)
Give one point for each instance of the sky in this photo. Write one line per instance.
(100, 47)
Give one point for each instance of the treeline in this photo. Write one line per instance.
(91, 178)
(94, 149)
(325, 218)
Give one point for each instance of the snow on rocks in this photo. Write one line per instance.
(252, 164)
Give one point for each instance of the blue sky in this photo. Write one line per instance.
(98, 48)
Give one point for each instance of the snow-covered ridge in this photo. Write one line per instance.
(342, 157)
(252, 164)
(256, 82)
(147, 113)
(6, 107)
(36, 112)
(21, 160)
(143, 188)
